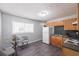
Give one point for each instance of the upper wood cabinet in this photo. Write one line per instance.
(55, 23)
(77, 14)
(68, 24)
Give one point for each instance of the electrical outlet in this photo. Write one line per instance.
(77, 33)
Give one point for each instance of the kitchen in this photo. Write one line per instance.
(66, 34)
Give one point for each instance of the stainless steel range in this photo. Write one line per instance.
(72, 41)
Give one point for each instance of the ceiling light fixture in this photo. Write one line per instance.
(43, 13)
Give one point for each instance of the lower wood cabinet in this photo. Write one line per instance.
(69, 52)
(56, 41)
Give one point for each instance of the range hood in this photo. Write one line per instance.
(74, 23)
(77, 14)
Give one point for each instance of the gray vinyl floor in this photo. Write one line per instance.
(39, 49)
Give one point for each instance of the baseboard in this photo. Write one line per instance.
(34, 41)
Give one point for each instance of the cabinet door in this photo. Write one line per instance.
(74, 27)
(68, 24)
(53, 40)
(56, 41)
(77, 14)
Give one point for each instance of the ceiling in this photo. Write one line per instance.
(39, 11)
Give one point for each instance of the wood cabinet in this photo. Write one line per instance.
(69, 52)
(57, 41)
(55, 23)
(68, 24)
(77, 13)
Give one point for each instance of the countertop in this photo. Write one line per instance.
(71, 46)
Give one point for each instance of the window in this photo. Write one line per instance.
(20, 27)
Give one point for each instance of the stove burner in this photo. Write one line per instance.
(70, 42)
(77, 43)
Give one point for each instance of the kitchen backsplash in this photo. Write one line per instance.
(72, 33)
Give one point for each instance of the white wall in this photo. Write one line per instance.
(0, 29)
(7, 29)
